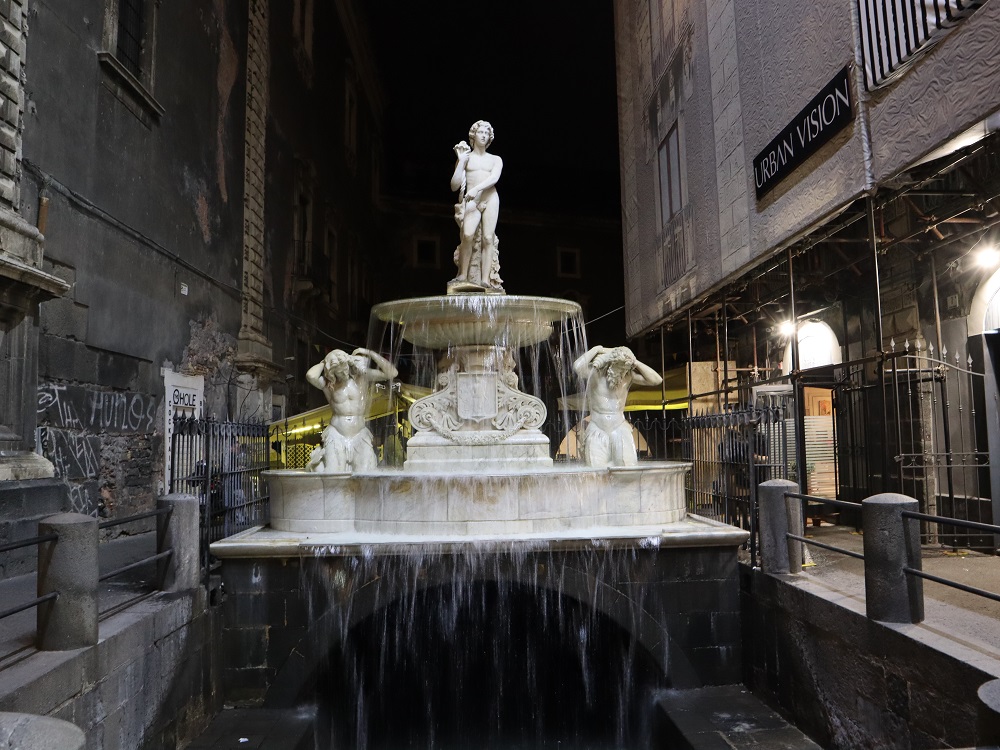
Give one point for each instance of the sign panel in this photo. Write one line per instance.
(829, 112)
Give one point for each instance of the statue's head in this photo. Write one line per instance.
(337, 365)
(617, 364)
(475, 126)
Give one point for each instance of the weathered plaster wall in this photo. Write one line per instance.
(144, 222)
(313, 307)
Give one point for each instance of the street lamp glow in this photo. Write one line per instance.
(988, 257)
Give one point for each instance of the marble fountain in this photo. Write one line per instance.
(478, 465)
(558, 596)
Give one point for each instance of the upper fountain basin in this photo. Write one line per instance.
(471, 319)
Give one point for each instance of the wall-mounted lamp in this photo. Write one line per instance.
(787, 328)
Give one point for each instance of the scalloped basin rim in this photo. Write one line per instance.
(470, 319)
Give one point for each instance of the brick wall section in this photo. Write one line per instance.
(730, 161)
(252, 325)
(12, 38)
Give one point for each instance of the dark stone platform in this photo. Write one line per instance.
(726, 717)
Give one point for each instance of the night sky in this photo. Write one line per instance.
(541, 71)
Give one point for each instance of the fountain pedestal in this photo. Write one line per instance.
(478, 419)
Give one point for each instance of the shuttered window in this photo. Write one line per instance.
(895, 32)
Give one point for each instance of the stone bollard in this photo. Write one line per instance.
(68, 567)
(778, 517)
(180, 531)
(988, 729)
(891, 543)
(30, 732)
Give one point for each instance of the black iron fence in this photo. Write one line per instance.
(220, 463)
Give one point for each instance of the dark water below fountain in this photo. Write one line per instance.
(476, 650)
(506, 667)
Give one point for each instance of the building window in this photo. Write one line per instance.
(302, 36)
(568, 262)
(351, 119)
(671, 188)
(130, 22)
(426, 253)
(128, 53)
(303, 233)
(353, 274)
(332, 255)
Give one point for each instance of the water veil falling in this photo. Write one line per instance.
(503, 645)
(531, 341)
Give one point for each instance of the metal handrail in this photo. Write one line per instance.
(824, 500)
(28, 542)
(136, 564)
(40, 539)
(137, 517)
(993, 528)
(29, 604)
(841, 550)
(952, 584)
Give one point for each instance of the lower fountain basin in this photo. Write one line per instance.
(560, 499)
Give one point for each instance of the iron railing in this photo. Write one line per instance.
(913, 516)
(221, 463)
(20, 544)
(160, 555)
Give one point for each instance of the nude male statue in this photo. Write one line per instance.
(475, 177)
(344, 380)
(609, 373)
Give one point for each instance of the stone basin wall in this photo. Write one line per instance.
(538, 502)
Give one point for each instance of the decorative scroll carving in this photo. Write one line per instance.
(515, 411)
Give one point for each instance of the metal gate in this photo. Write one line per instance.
(220, 463)
(731, 452)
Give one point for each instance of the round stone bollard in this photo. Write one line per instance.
(779, 516)
(180, 531)
(988, 729)
(892, 543)
(68, 567)
(30, 732)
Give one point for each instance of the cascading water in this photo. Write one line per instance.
(491, 646)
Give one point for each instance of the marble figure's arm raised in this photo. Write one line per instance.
(314, 375)
(643, 374)
(462, 151)
(385, 369)
(585, 363)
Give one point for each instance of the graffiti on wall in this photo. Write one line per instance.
(74, 421)
(75, 407)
